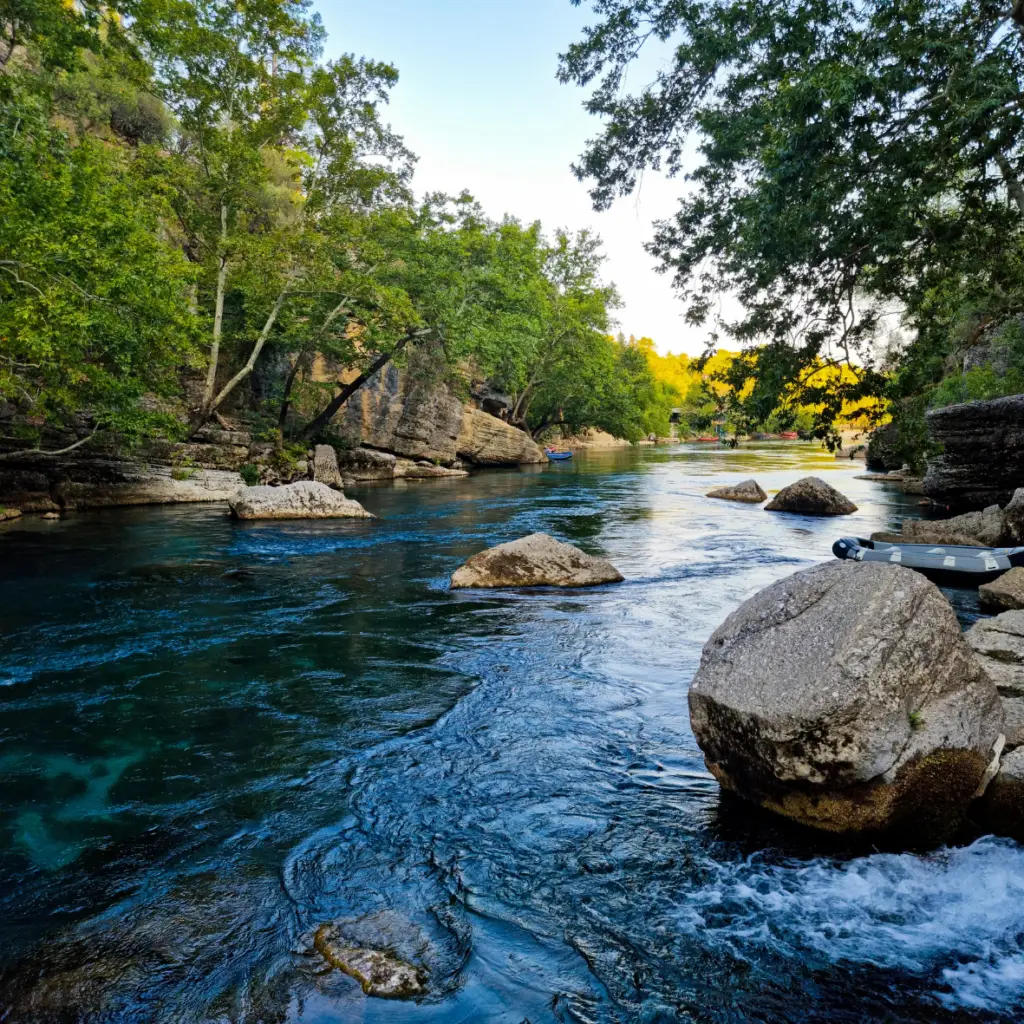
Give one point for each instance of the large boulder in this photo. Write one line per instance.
(990, 527)
(981, 446)
(304, 499)
(325, 466)
(1005, 593)
(489, 441)
(535, 561)
(811, 496)
(748, 491)
(845, 698)
(998, 644)
(366, 463)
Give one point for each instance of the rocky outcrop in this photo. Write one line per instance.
(365, 464)
(305, 499)
(998, 644)
(325, 466)
(811, 496)
(535, 561)
(487, 441)
(981, 459)
(883, 452)
(1003, 594)
(748, 491)
(845, 698)
(406, 469)
(9, 514)
(592, 438)
(34, 483)
(991, 527)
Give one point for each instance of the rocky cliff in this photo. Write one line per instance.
(396, 413)
(981, 458)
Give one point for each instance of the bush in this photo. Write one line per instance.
(250, 473)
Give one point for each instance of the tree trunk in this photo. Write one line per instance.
(1013, 185)
(218, 318)
(209, 407)
(325, 417)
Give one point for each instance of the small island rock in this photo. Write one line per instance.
(998, 644)
(748, 491)
(535, 561)
(845, 698)
(811, 496)
(305, 499)
(1005, 593)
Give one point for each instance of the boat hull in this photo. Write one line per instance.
(949, 564)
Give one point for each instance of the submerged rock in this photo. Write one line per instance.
(1005, 593)
(535, 561)
(845, 698)
(325, 466)
(811, 496)
(748, 491)
(378, 971)
(998, 644)
(305, 499)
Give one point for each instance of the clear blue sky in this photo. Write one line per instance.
(478, 102)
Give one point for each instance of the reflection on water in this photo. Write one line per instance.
(217, 736)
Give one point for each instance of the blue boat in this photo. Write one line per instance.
(557, 456)
(951, 564)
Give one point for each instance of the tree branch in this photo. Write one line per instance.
(50, 454)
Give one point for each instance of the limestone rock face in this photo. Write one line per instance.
(811, 496)
(982, 452)
(535, 561)
(488, 441)
(748, 491)
(883, 449)
(366, 463)
(325, 466)
(305, 499)
(998, 644)
(846, 698)
(1005, 593)
(100, 480)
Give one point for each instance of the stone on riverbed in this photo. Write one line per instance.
(1005, 593)
(305, 499)
(535, 561)
(378, 971)
(845, 698)
(748, 491)
(811, 496)
(998, 644)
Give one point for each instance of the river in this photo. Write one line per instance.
(216, 736)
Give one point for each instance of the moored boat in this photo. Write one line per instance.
(952, 564)
(789, 435)
(557, 456)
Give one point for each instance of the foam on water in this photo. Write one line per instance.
(956, 916)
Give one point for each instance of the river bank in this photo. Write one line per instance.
(225, 734)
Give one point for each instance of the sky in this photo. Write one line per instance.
(478, 102)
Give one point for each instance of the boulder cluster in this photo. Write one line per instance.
(809, 496)
(846, 698)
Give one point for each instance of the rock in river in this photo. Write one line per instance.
(811, 496)
(748, 490)
(998, 644)
(1005, 593)
(1001, 809)
(325, 466)
(305, 499)
(378, 971)
(846, 698)
(535, 561)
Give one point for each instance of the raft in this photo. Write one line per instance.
(951, 564)
(557, 456)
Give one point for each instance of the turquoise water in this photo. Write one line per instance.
(216, 736)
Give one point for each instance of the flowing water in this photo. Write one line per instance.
(216, 736)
